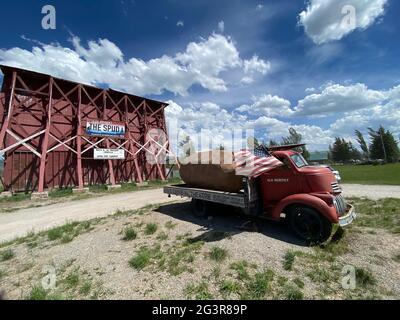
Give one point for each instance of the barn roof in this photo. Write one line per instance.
(34, 74)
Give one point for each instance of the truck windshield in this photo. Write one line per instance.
(299, 160)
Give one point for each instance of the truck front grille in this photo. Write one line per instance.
(336, 188)
(340, 205)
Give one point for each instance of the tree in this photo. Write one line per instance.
(295, 138)
(363, 144)
(341, 150)
(273, 143)
(383, 145)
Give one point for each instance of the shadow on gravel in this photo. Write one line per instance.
(224, 222)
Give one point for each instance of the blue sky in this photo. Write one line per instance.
(266, 65)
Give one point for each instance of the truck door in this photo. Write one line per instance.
(279, 183)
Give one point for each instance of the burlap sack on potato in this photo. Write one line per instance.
(213, 170)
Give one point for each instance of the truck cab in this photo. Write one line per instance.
(309, 197)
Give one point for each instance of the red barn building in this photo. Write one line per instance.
(57, 133)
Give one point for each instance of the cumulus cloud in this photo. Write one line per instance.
(386, 114)
(214, 124)
(358, 107)
(102, 62)
(329, 20)
(255, 64)
(337, 98)
(268, 105)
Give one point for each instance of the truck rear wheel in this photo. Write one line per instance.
(199, 208)
(309, 225)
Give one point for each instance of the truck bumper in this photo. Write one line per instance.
(349, 217)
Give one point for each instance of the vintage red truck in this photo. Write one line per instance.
(309, 198)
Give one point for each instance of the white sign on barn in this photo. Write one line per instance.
(116, 154)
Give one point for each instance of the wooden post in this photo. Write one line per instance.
(10, 109)
(45, 143)
(79, 141)
(110, 164)
(131, 147)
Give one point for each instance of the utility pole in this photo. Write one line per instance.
(383, 144)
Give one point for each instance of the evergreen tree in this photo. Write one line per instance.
(383, 145)
(363, 144)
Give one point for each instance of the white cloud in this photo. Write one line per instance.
(221, 26)
(328, 20)
(336, 98)
(246, 80)
(180, 23)
(357, 106)
(103, 62)
(268, 105)
(255, 64)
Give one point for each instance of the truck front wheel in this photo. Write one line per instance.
(309, 225)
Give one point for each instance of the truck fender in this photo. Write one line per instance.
(329, 212)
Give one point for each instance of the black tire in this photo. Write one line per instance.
(199, 208)
(309, 225)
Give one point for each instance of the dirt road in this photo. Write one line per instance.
(373, 192)
(19, 223)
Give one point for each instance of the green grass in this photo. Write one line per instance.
(364, 278)
(72, 279)
(144, 256)
(67, 232)
(298, 282)
(292, 292)
(179, 258)
(289, 260)
(17, 197)
(7, 254)
(170, 225)
(150, 228)
(383, 213)
(85, 288)
(162, 236)
(241, 269)
(218, 254)
(228, 287)
(59, 193)
(320, 274)
(382, 174)
(38, 293)
(258, 286)
(129, 234)
(396, 258)
(198, 291)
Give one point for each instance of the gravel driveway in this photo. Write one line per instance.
(374, 192)
(19, 223)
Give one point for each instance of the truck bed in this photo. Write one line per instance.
(228, 198)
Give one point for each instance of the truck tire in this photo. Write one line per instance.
(309, 225)
(199, 208)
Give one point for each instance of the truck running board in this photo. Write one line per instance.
(228, 198)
